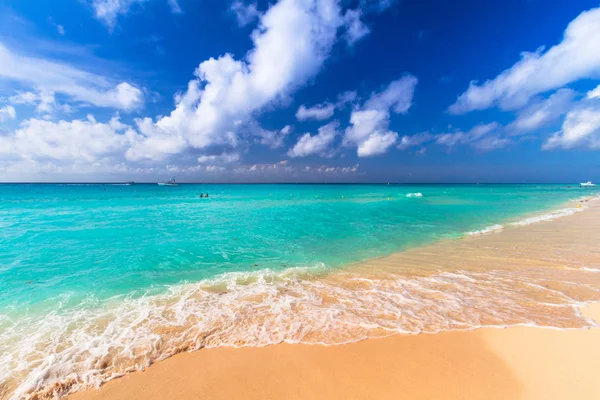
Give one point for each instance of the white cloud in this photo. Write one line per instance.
(67, 142)
(581, 127)
(245, 13)
(317, 144)
(355, 28)
(228, 93)
(414, 140)
(325, 110)
(369, 124)
(270, 138)
(318, 112)
(469, 137)
(575, 57)
(397, 96)
(223, 158)
(376, 143)
(7, 112)
(594, 94)
(77, 84)
(43, 100)
(108, 11)
(542, 113)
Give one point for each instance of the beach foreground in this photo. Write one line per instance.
(517, 362)
(489, 363)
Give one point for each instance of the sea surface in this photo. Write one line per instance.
(100, 279)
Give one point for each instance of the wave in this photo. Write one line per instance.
(548, 217)
(418, 194)
(487, 230)
(70, 349)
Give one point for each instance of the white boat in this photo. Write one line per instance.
(168, 183)
(587, 184)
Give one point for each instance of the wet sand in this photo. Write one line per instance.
(487, 363)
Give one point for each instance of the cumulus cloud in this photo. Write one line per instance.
(66, 142)
(542, 113)
(324, 110)
(226, 94)
(7, 112)
(318, 112)
(317, 144)
(575, 57)
(369, 123)
(245, 13)
(77, 84)
(43, 100)
(581, 126)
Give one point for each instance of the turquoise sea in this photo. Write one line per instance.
(91, 274)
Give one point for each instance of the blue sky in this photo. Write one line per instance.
(300, 90)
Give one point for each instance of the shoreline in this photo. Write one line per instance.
(487, 363)
(394, 263)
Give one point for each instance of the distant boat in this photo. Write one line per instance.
(129, 183)
(587, 184)
(168, 183)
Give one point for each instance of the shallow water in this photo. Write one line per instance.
(98, 280)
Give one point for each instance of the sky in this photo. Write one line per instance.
(300, 90)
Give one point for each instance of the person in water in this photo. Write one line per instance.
(201, 195)
(206, 195)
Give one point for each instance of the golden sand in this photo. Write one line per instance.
(487, 363)
(512, 363)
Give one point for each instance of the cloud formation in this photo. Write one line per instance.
(482, 137)
(77, 84)
(575, 57)
(581, 127)
(245, 13)
(369, 130)
(220, 104)
(543, 112)
(325, 110)
(318, 144)
(7, 112)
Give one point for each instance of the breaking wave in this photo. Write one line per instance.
(71, 349)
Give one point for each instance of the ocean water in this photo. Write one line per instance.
(99, 279)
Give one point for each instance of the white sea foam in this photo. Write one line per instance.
(487, 230)
(96, 341)
(418, 194)
(548, 217)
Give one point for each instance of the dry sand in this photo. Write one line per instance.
(488, 363)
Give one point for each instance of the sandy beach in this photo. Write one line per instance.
(520, 362)
(512, 363)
